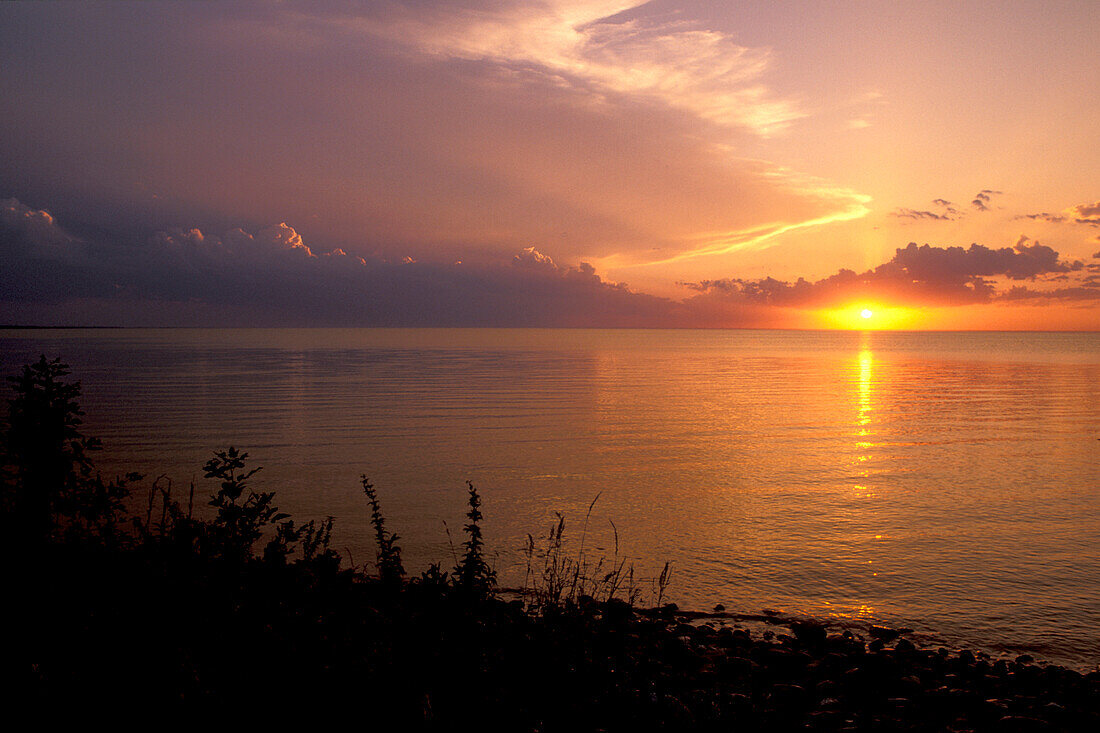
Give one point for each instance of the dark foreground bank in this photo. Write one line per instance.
(122, 631)
(152, 607)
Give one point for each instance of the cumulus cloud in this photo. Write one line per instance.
(1085, 213)
(918, 275)
(272, 277)
(34, 229)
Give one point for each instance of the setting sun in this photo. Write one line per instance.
(866, 316)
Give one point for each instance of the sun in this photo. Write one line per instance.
(867, 316)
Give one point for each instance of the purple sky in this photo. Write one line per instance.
(332, 163)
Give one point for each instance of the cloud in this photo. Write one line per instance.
(947, 212)
(915, 275)
(35, 229)
(589, 44)
(272, 277)
(1043, 216)
(436, 130)
(1089, 290)
(1088, 214)
(1085, 213)
(983, 198)
(914, 214)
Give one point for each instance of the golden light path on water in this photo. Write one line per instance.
(864, 442)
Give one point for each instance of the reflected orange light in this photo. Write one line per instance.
(869, 317)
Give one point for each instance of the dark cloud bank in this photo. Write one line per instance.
(272, 277)
(917, 275)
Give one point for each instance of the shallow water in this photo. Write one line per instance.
(945, 481)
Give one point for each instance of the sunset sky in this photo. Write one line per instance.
(558, 163)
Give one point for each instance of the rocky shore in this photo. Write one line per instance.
(424, 655)
(802, 677)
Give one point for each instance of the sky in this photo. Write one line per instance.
(601, 163)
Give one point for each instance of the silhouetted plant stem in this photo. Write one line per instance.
(472, 572)
(390, 569)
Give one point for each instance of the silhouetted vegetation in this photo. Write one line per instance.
(50, 484)
(473, 574)
(390, 569)
(245, 610)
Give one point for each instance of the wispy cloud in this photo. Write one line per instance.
(946, 211)
(589, 45)
(983, 198)
(717, 243)
(1088, 214)
(443, 131)
(914, 214)
(1043, 216)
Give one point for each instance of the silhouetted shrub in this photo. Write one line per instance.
(49, 479)
(473, 574)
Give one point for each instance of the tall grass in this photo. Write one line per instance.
(554, 577)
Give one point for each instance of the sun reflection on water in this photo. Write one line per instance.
(865, 383)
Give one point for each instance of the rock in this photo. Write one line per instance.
(1022, 724)
(1024, 659)
(825, 720)
(809, 634)
(719, 608)
(705, 631)
(617, 611)
(740, 706)
(787, 697)
(883, 632)
(738, 667)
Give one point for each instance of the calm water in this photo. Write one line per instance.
(948, 482)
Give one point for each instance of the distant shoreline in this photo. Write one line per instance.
(9, 327)
(16, 327)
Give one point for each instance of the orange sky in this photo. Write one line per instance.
(687, 149)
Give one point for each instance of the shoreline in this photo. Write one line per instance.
(924, 637)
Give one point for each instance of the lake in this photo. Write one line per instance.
(948, 482)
